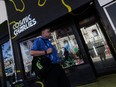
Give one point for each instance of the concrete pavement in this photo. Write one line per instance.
(104, 81)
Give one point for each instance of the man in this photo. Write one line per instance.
(56, 76)
(66, 45)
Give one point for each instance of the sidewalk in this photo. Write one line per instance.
(104, 81)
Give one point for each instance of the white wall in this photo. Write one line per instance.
(103, 2)
(3, 14)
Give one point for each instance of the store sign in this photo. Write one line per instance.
(23, 24)
(103, 2)
(30, 15)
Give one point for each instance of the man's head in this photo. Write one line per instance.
(46, 33)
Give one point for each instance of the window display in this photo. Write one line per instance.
(8, 63)
(27, 58)
(8, 59)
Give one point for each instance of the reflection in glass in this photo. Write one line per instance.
(64, 41)
(8, 62)
(98, 48)
(8, 58)
(27, 58)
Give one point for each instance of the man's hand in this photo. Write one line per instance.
(49, 50)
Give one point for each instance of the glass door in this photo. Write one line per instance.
(98, 48)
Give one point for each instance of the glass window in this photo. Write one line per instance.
(64, 41)
(8, 62)
(8, 58)
(27, 58)
(98, 48)
(67, 47)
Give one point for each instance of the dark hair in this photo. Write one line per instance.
(44, 29)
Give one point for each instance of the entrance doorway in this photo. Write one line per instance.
(98, 48)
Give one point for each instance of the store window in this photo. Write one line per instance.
(27, 58)
(8, 63)
(67, 47)
(98, 48)
(64, 41)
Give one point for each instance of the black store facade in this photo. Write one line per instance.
(82, 26)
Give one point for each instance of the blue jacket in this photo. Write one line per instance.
(40, 45)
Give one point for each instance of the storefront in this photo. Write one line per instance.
(75, 25)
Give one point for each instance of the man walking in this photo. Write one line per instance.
(56, 76)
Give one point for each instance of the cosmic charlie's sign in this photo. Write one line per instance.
(26, 15)
(23, 24)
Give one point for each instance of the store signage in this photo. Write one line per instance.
(23, 24)
(104, 2)
(30, 15)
